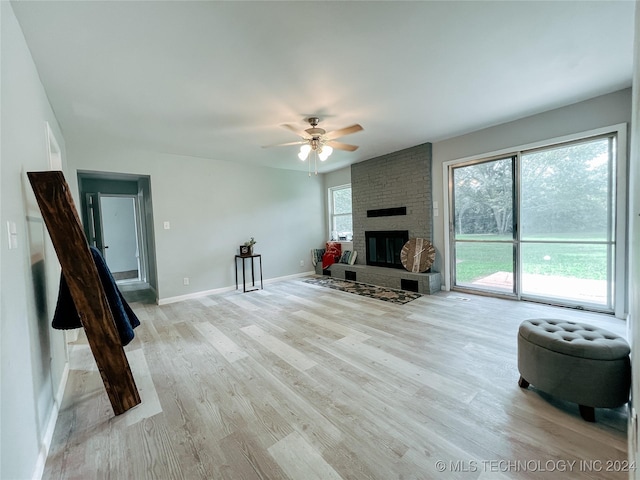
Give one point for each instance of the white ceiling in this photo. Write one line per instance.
(217, 79)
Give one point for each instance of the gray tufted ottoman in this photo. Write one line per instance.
(576, 362)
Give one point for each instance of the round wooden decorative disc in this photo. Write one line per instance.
(417, 255)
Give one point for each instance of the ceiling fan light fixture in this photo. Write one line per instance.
(304, 152)
(314, 141)
(324, 152)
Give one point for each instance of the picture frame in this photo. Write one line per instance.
(245, 250)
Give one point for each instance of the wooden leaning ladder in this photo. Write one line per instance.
(79, 270)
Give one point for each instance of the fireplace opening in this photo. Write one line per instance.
(383, 247)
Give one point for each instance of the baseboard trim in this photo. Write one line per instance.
(204, 293)
(189, 296)
(288, 277)
(47, 438)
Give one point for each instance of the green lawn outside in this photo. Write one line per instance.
(478, 260)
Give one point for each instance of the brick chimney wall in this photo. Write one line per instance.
(399, 179)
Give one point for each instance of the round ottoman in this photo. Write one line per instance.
(576, 362)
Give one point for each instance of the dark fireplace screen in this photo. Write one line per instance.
(383, 247)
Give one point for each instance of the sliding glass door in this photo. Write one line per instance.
(537, 224)
(484, 243)
(567, 219)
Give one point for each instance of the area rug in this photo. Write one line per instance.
(371, 291)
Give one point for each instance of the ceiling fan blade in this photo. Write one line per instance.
(343, 131)
(296, 130)
(342, 146)
(299, 142)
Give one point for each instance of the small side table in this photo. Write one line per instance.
(253, 279)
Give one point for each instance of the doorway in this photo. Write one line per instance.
(118, 220)
(115, 230)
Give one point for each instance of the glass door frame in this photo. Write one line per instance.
(514, 242)
(619, 280)
(610, 243)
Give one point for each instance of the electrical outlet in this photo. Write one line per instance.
(302, 263)
(167, 225)
(185, 281)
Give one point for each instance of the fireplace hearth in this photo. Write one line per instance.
(383, 247)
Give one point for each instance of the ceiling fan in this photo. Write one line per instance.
(319, 141)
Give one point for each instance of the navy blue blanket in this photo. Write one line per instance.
(66, 316)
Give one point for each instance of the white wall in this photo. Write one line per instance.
(602, 111)
(213, 206)
(337, 177)
(33, 357)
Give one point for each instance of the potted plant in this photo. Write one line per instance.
(250, 244)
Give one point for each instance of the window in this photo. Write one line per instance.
(341, 224)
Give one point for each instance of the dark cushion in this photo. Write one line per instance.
(316, 255)
(346, 257)
(66, 316)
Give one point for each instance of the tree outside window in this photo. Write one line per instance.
(340, 208)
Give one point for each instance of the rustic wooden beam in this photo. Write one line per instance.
(79, 270)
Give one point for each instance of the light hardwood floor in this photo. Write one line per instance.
(303, 382)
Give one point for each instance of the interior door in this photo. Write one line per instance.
(120, 235)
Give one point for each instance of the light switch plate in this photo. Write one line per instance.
(12, 235)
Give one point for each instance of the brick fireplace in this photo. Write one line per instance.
(391, 196)
(392, 192)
